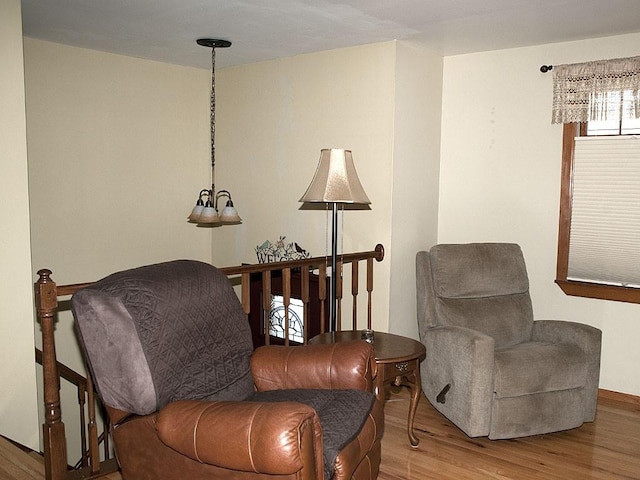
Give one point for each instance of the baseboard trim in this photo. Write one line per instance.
(618, 396)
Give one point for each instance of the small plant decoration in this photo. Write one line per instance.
(280, 251)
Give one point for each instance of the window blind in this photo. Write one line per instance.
(604, 242)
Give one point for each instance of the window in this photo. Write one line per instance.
(277, 319)
(599, 247)
(599, 230)
(615, 122)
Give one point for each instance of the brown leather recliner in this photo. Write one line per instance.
(171, 355)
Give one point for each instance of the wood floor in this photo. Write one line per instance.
(607, 449)
(17, 464)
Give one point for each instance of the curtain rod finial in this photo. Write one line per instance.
(546, 68)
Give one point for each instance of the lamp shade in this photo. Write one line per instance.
(196, 212)
(335, 180)
(229, 214)
(209, 215)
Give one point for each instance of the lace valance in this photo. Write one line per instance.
(600, 90)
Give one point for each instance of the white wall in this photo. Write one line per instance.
(416, 159)
(500, 179)
(18, 412)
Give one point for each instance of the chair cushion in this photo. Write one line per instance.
(342, 414)
(165, 332)
(483, 286)
(478, 270)
(536, 367)
(507, 318)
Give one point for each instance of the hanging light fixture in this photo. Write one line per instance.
(206, 213)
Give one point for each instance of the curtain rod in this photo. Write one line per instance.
(546, 68)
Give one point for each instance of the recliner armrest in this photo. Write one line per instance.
(268, 438)
(342, 365)
(463, 359)
(458, 342)
(585, 337)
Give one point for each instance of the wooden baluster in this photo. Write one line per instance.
(245, 294)
(354, 293)
(369, 289)
(94, 447)
(322, 296)
(286, 295)
(304, 289)
(266, 304)
(55, 445)
(339, 296)
(105, 438)
(82, 393)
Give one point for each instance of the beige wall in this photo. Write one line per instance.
(273, 119)
(118, 150)
(500, 179)
(383, 102)
(119, 146)
(18, 413)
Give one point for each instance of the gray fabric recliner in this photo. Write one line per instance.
(490, 368)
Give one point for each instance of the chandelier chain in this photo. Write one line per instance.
(213, 116)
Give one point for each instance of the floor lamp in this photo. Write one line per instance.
(335, 182)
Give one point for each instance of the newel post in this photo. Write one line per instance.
(55, 446)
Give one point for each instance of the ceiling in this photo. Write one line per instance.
(166, 30)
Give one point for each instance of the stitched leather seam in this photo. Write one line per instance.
(286, 368)
(195, 432)
(125, 419)
(375, 429)
(249, 438)
(333, 349)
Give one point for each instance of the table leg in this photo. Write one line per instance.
(413, 379)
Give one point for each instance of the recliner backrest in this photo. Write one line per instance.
(165, 332)
(483, 286)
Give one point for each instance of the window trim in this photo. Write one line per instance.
(572, 287)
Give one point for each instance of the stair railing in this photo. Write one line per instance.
(86, 401)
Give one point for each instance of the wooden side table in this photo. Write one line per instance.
(398, 359)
